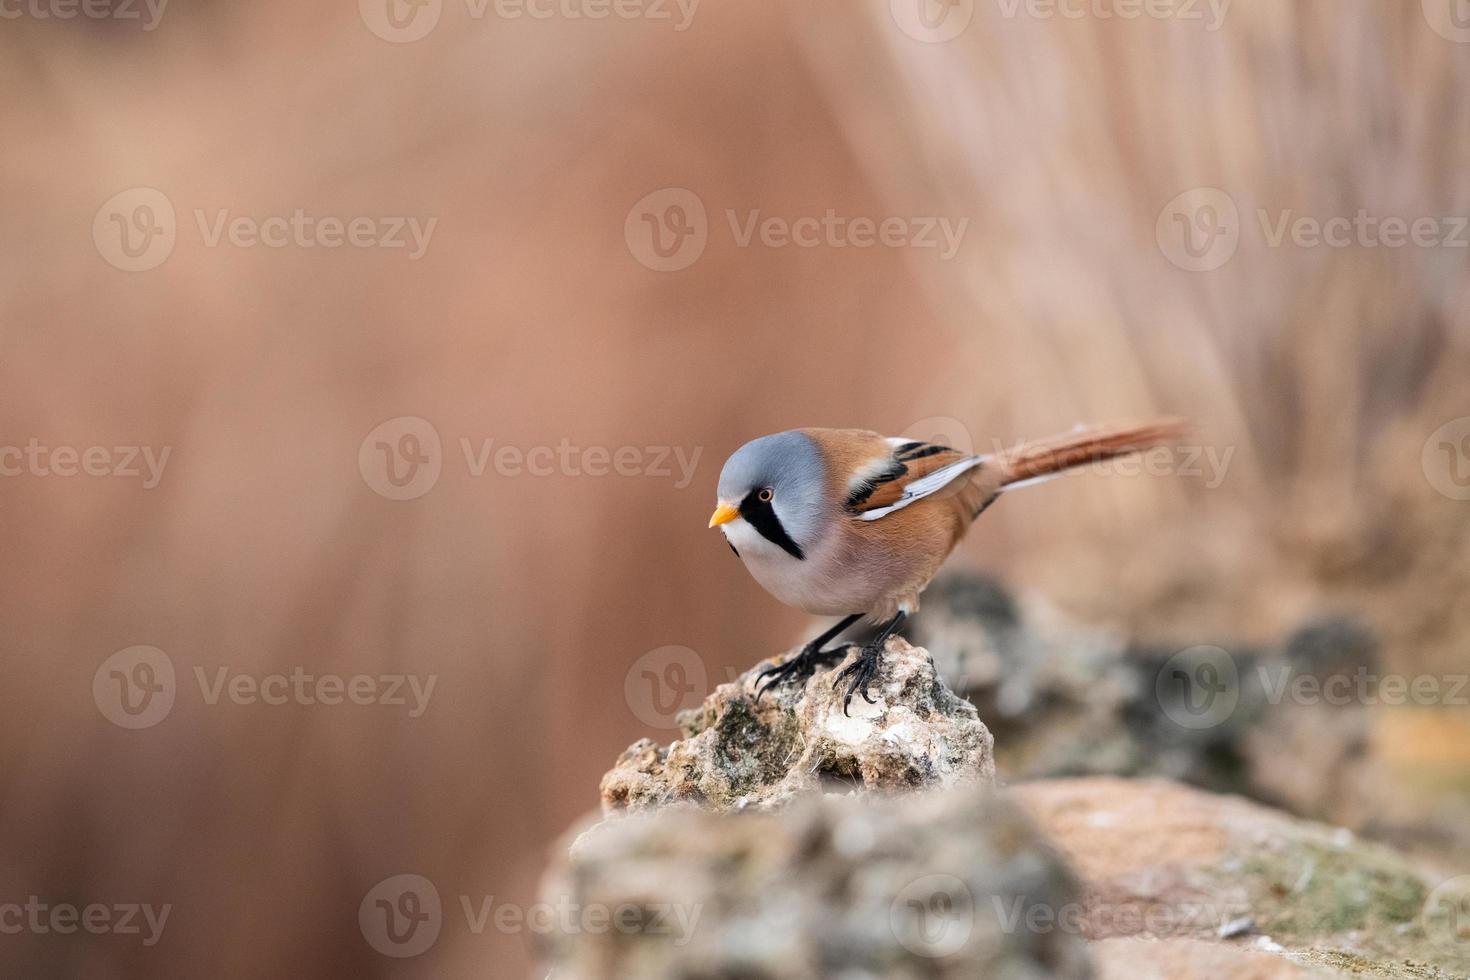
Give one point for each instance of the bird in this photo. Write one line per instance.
(850, 523)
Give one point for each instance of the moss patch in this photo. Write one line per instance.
(1313, 890)
(751, 753)
(1354, 909)
(1353, 965)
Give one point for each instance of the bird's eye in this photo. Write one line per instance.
(765, 495)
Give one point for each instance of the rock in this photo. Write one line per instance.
(1065, 699)
(1192, 959)
(1068, 700)
(1163, 861)
(829, 886)
(738, 752)
(1159, 881)
(764, 842)
(1059, 698)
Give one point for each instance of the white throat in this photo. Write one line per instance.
(751, 543)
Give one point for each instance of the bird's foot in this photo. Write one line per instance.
(801, 666)
(862, 671)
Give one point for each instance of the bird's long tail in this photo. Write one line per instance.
(1035, 461)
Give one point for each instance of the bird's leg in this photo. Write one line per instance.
(865, 667)
(811, 656)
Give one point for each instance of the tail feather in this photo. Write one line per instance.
(1045, 458)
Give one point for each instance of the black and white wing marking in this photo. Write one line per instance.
(915, 470)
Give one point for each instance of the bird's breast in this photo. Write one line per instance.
(830, 581)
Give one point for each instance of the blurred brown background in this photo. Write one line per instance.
(530, 319)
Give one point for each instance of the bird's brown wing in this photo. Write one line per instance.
(898, 528)
(909, 470)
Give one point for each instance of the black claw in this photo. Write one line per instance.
(762, 685)
(865, 667)
(801, 665)
(860, 672)
(807, 661)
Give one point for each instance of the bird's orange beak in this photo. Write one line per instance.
(724, 514)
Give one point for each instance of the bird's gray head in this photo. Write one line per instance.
(775, 485)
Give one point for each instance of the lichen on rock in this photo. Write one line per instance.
(1160, 861)
(741, 751)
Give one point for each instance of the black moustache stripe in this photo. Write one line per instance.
(762, 516)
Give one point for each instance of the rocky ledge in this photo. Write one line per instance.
(741, 751)
(780, 838)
